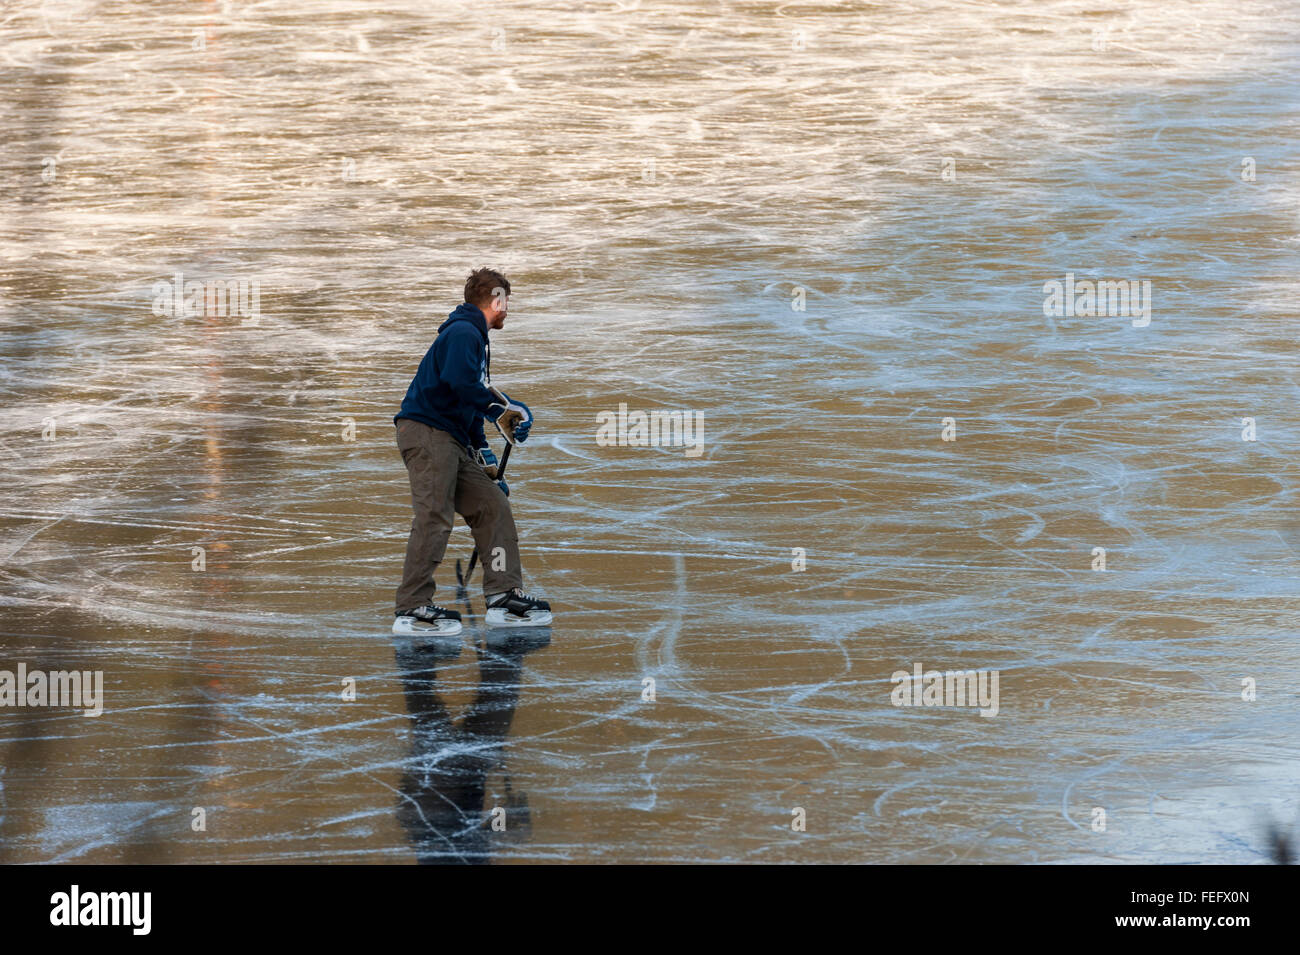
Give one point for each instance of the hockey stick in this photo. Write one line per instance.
(461, 581)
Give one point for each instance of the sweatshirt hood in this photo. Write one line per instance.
(465, 312)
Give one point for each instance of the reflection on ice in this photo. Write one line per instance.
(445, 780)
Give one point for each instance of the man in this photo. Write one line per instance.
(453, 471)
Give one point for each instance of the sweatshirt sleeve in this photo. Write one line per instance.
(462, 370)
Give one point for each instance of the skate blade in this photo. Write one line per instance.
(496, 617)
(410, 626)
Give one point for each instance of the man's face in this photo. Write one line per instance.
(495, 311)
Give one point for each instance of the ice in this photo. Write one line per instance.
(657, 179)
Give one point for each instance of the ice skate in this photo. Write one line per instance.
(514, 608)
(429, 619)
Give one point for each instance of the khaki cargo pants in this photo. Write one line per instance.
(446, 481)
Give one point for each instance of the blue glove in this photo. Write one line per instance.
(523, 428)
(486, 460)
(505, 488)
(512, 418)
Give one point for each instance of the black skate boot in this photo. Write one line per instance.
(514, 608)
(429, 619)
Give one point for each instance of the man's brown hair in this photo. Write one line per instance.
(482, 285)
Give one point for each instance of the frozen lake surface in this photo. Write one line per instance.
(665, 184)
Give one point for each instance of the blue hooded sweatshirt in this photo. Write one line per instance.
(449, 389)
